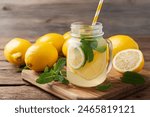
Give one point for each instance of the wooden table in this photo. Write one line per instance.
(31, 19)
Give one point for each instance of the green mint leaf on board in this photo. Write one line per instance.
(47, 69)
(45, 78)
(63, 72)
(56, 73)
(61, 79)
(133, 78)
(59, 65)
(65, 81)
(104, 87)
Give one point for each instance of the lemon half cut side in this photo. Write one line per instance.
(129, 60)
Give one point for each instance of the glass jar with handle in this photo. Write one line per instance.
(88, 61)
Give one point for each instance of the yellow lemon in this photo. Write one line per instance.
(40, 55)
(122, 42)
(128, 60)
(15, 50)
(55, 39)
(65, 47)
(67, 36)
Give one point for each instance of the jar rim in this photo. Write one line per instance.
(83, 25)
(80, 28)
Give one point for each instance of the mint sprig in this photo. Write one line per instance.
(59, 65)
(54, 73)
(89, 44)
(88, 51)
(128, 77)
(133, 78)
(104, 87)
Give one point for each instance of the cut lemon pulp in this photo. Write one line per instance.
(77, 58)
(128, 60)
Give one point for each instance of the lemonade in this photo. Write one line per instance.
(87, 64)
(92, 74)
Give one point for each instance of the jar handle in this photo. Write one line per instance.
(110, 47)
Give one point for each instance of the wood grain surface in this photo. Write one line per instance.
(71, 92)
(24, 93)
(32, 18)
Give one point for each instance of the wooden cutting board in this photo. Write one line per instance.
(118, 90)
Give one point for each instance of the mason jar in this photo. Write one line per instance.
(88, 60)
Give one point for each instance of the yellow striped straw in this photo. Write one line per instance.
(97, 12)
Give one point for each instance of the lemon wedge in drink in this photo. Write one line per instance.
(91, 74)
(77, 58)
(128, 60)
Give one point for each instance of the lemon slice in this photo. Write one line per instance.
(76, 58)
(102, 45)
(128, 60)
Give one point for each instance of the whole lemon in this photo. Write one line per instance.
(65, 47)
(122, 42)
(15, 50)
(40, 55)
(67, 36)
(55, 39)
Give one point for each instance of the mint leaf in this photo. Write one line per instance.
(47, 69)
(63, 72)
(133, 78)
(88, 51)
(89, 44)
(65, 81)
(45, 78)
(56, 73)
(59, 65)
(104, 87)
(61, 79)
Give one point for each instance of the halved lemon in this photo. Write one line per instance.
(128, 60)
(76, 58)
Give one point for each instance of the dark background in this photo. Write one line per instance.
(33, 18)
